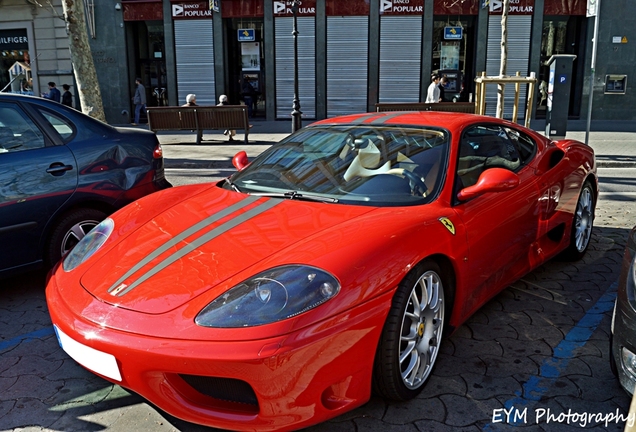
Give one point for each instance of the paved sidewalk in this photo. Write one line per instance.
(613, 142)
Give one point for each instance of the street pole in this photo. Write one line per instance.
(597, 17)
(296, 113)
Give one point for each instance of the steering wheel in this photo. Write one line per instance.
(418, 187)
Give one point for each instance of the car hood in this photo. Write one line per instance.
(195, 245)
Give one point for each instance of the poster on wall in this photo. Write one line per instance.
(449, 55)
(250, 56)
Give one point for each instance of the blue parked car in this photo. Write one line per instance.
(61, 173)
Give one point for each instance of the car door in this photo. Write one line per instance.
(36, 178)
(501, 227)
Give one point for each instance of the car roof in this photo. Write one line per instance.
(447, 120)
(17, 96)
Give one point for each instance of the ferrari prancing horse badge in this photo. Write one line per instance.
(448, 224)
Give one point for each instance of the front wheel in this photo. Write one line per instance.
(412, 334)
(582, 224)
(71, 228)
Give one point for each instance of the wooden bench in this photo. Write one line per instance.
(459, 107)
(199, 118)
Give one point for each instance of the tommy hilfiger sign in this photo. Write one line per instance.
(14, 39)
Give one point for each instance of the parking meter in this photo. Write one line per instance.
(559, 85)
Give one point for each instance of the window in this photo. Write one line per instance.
(17, 131)
(353, 164)
(61, 126)
(15, 62)
(525, 146)
(488, 146)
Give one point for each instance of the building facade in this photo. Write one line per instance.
(351, 54)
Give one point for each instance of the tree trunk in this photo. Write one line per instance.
(504, 57)
(82, 59)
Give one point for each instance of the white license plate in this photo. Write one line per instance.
(100, 362)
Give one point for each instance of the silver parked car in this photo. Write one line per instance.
(623, 339)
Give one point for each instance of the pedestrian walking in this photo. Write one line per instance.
(249, 95)
(442, 87)
(228, 132)
(139, 99)
(67, 96)
(53, 94)
(432, 95)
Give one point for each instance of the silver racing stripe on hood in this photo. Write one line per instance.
(221, 229)
(118, 289)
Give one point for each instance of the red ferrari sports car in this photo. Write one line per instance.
(327, 268)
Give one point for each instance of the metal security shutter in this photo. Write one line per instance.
(519, 28)
(194, 51)
(400, 58)
(285, 66)
(347, 59)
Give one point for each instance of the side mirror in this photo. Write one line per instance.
(491, 180)
(240, 160)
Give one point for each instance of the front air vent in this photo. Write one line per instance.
(225, 389)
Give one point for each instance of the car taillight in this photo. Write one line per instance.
(158, 153)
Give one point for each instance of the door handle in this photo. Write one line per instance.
(58, 168)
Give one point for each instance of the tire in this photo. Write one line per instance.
(612, 362)
(70, 229)
(582, 224)
(411, 335)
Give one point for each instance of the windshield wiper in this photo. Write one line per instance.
(232, 185)
(297, 196)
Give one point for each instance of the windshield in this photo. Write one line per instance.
(354, 164)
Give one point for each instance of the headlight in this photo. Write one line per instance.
(271, 296)
(88, 245)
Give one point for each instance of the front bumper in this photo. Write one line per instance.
(624, 338)
(624, 320)
(289, 381)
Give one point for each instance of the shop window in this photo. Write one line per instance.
(453, 53)
(15, 62)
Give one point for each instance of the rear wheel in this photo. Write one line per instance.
(582, 224)
(412, 334)
(71, 228)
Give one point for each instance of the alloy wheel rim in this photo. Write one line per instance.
(75, 234)
(583, 220)
(422, 327)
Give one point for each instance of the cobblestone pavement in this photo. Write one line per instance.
(541, 346)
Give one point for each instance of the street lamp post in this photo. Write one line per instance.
(296, 113)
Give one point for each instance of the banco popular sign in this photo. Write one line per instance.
(517, 7)
(191, 11)
(305, 8)
(401, 7)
